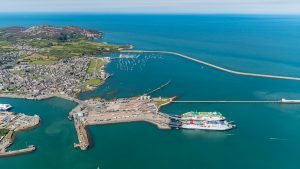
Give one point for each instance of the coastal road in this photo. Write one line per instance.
(215, 66)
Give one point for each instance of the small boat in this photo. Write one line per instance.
(5, 107)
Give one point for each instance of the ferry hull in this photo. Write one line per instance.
(199, 127)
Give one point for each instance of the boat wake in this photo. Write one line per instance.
(230, 134)
(280, 139)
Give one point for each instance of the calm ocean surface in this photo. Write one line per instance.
(267, 135)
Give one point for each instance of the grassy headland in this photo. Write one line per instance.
(43, 60)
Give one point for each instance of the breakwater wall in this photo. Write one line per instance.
(215, 66)
(17, 152)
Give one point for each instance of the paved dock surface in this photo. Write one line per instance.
(124, 110)
(95, 118)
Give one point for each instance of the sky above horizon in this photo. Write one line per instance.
(154, 6)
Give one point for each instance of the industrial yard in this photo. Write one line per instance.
(9, 124)
(99, 112)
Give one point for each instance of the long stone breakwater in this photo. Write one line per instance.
(18, 152)
(214, 66)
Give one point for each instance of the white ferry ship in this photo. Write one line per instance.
(289, 101)
(205, 121)
(5, 107)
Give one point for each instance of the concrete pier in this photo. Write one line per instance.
(81, 134)
(18, 152)
(223, 101)
(281, 101)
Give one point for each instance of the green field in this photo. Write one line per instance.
(37, 77)
(3, 132)
(5, 47)
(9, 135)
(95, 65)
(43, 62)
(163, 101)
(60, 49)
(94, 82)
(74, 48)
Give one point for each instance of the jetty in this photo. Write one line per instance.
(159, 88)
(82, 134)
(214, 66)
(281, 101)
(29, 149)
(223, 101)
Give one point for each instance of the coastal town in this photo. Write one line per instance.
(67, 77)
(46, 61)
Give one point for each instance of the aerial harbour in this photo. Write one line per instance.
(91, 70)
(120, 107)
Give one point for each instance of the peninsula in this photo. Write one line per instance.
(46, 60)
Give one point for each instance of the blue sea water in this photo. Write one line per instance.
(267, 135)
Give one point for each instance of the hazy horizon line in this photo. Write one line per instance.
(146, 13)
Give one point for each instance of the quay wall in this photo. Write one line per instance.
(35, 125)
(158, 125)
